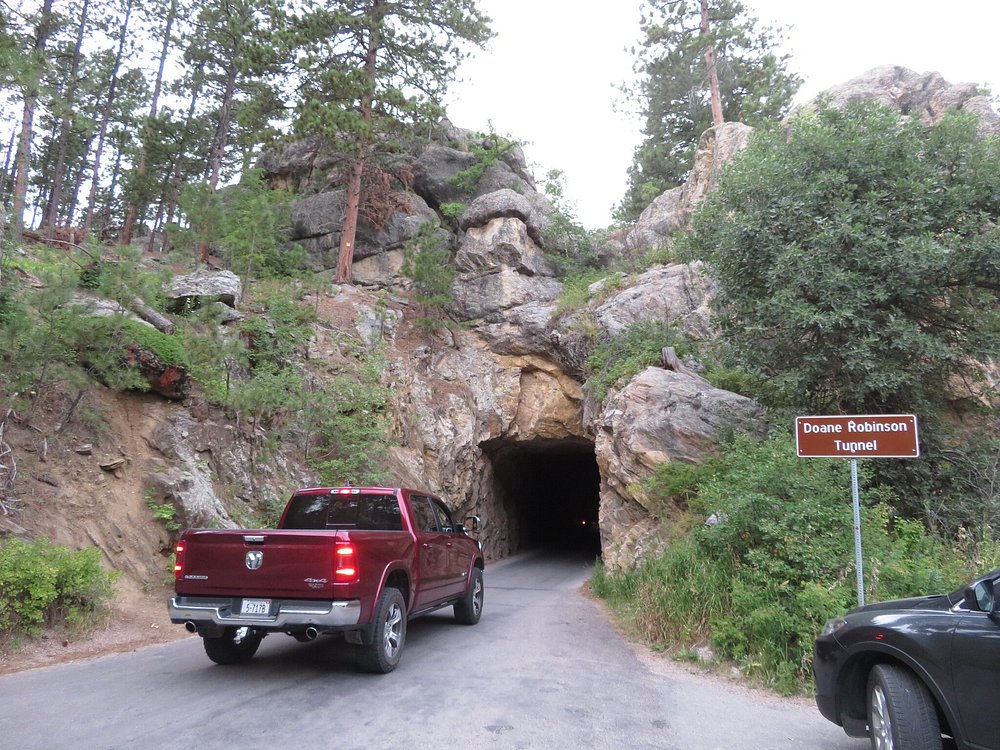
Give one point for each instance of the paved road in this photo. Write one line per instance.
(543, 669)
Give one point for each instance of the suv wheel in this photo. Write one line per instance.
(901, 713)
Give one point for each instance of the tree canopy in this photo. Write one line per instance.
(673, 96)
(374, 68)
(111, 106)
(858, 258)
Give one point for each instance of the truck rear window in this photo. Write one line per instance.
(366, 512)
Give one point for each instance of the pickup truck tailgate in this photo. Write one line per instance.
(291, 564)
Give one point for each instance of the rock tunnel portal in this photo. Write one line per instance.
(548, 492)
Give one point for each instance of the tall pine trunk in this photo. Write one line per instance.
(22, 160)
(102, 134)
(345, 259)
(713, 73)
(219, 144)
(133, 206)
(51, 216)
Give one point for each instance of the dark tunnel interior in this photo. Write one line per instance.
(551, 491)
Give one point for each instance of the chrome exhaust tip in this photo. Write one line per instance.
(311, 633)
(190, 627)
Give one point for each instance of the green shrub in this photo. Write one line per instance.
(425, 264)
(45, 584)
(618, 358)
(760, 583)
(489, 149)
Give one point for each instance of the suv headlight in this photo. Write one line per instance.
(833, 626)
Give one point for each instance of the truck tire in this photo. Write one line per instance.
(234, 646)
(382, 655)
(469, 608)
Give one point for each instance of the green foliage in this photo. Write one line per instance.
(165, 512)
(202, 207)
(45, 584)
(249, 237)
(426, 264)
(338, 420)
(571, 248)
(673, 97)
(616, 359)
(369, 70)
(39, 335)
(858, 258)
(760, 583)
(351, 438)
(576, 288)
(488, 148)
(452, 212)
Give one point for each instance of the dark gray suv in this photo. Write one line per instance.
(907, 672)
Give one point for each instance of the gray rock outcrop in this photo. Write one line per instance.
(202, 288)
(659, 416)
(924, 95)
(671, 211)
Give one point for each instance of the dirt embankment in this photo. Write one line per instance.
(61, 492)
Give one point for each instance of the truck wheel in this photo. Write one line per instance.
(382, 654)
(234, 646)
(901, 713)
(469, 608)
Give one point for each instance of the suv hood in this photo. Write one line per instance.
(938, 601)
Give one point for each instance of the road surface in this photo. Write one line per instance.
(543, 669)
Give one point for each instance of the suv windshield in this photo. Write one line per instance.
(366, 512)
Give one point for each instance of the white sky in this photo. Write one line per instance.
(551, 75)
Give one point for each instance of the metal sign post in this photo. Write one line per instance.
(859, 563)
(854, 437)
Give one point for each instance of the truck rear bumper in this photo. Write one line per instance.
(285, 614)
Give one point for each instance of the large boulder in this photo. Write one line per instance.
(202, 288)
(924, 95)
(659, 416)
(678, 293)
(317, 223)
(500, 267)
(671, 211)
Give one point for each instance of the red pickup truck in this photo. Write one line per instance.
(360, 561)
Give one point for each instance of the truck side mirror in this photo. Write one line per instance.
(471, 523)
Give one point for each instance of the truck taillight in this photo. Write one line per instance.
(345, 564)
(178, 559)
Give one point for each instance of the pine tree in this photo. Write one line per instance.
(685, 42)
(370, 69)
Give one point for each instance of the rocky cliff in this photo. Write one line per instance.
(491, 411)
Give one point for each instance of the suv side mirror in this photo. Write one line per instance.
(981, 597)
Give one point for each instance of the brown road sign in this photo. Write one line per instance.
(857, 436)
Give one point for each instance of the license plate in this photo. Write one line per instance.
(256, 607)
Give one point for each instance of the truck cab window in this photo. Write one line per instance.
(306, 512)
(444, 517)
(424, 513)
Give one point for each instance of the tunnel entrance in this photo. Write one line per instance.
(549, 491)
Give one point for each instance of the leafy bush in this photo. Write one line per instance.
(858, 258)
(620, 357)
(45, 584)
(351, 435)
(760, 583)
(425, 264)
(489, 149)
